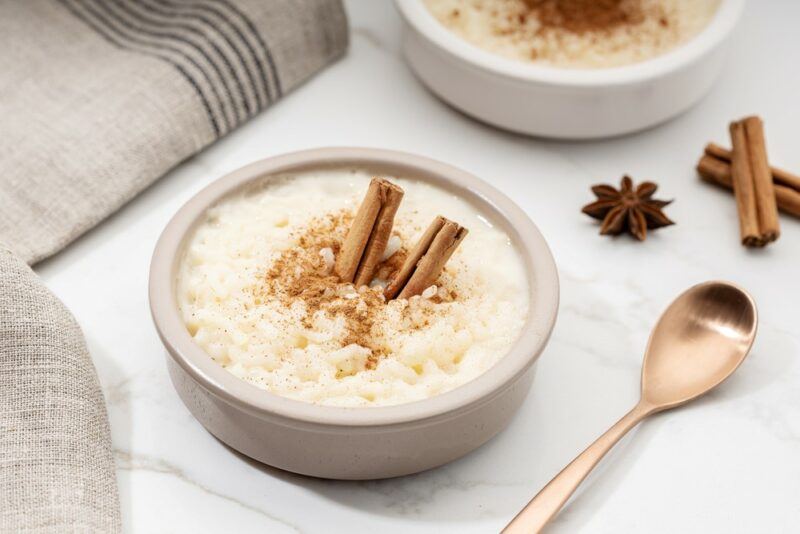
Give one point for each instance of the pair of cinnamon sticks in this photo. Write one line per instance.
(715, 167)
(760, 190)
(365, 244)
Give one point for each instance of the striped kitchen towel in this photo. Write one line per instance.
(98, 99)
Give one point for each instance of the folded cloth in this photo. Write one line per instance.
(56, 467)
(98, 99)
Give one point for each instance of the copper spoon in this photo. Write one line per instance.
(699, 341)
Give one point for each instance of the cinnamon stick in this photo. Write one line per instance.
(717, 170)
(369, 233)
(427, 260)
(410, 263)
(779, 176)
(743, 187)
(381, 232)
(752, 183)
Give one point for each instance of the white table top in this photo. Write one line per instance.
(728, 463)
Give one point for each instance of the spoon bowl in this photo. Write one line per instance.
(701, 338)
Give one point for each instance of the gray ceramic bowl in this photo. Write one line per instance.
(561, 102)
(354, 443)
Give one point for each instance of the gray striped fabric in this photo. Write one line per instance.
(98, 99)
(101, 97)
(56, 466)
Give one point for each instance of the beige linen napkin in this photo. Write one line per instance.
(56, 467)
(98, 99)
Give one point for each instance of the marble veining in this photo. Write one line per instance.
(127, 461)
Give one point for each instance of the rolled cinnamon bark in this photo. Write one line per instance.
(427, 260)
(381, 232)
(718, 171)
(752, 183)
(419, 250)
(779, 176)
(369, 233)
(788, 199)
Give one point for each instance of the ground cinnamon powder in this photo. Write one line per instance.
(581, 16)
(301, 274)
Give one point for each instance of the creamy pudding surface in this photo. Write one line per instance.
(575, 33)
(257, 292)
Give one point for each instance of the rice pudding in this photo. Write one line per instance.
(258, 291)
(575, 33)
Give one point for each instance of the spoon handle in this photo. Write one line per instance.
(546, 504)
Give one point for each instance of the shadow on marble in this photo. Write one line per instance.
(610, 474)
(414, 497)
(643, 136)
(760, 370)
(418, 497)
(114, 383)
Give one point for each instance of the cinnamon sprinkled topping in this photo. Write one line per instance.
(581, 16)
(300, 275)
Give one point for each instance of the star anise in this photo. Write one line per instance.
(629, 208)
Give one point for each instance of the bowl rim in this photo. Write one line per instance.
(540, 268)
(718, 29)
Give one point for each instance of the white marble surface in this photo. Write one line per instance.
(728, 463)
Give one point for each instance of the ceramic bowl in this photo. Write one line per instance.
(558, 102)
(364, 442)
